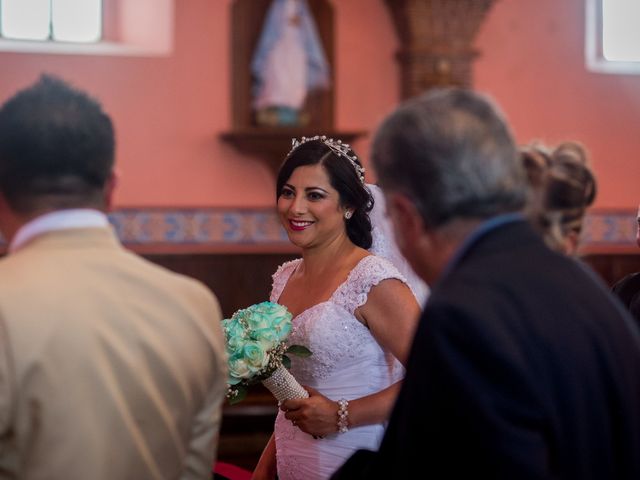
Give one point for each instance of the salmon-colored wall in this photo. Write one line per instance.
(170, 110)
(368, 78)
(533, 64)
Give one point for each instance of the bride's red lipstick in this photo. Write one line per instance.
(299, 225)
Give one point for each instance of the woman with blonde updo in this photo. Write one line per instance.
(562, 187)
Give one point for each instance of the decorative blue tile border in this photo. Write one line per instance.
(220, 229)
(610, 228)
(198, 227)
(261, 227)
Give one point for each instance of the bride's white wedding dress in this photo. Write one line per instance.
(346, 362)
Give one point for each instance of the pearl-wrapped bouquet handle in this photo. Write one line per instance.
(284, 386)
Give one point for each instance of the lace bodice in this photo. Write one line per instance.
(346, 362)
(330, 329)
(352, 293)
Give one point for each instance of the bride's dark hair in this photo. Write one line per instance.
(343, 177)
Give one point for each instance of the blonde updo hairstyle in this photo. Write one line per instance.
(562, 186)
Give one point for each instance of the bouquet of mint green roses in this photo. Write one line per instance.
(257, 352)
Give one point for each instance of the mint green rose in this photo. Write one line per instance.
(233, 328)
(238, 370)
(258, 320)
(268, 315)
(255, 356)
(266, 337)
(236, 336)
(235, 346)
(283, 330)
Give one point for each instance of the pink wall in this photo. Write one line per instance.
(368, 79)
(532, 63)
(170, 110)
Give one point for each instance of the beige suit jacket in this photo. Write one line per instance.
(110, 367)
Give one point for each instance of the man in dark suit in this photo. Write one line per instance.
(523, 366)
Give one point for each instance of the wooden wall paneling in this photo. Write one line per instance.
(238, 280)
(613, 267)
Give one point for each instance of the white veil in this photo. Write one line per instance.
(384, 245)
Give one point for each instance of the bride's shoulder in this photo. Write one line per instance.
(281, 276)
(286, 268)
(377, 263)
(370, 271)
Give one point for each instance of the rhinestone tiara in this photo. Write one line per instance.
(337, 146)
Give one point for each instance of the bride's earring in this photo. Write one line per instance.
(348, 214)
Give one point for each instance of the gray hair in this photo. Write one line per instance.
(451, 151)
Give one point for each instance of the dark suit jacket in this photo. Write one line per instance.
(523, 367)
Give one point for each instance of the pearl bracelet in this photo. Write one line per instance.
(343, 415)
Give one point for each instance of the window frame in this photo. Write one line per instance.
(154, 39)
(51, 28)
(594, 58)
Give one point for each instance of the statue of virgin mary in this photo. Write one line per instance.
(288, 63)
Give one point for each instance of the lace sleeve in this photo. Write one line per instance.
(280, 278)
(367, 274)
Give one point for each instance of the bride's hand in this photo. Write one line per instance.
(316, 415)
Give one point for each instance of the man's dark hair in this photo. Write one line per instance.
(56, 148)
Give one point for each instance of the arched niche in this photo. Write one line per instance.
(272, 143)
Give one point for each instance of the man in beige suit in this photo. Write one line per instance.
(110, 367)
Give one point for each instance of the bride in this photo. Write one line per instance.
(354, 310)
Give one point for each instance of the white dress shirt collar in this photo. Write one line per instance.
(59, 220)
